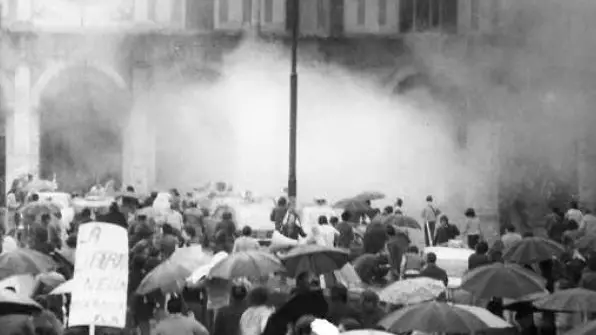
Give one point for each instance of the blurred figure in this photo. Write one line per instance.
(480, 257)
(397, 245)
(555, 225)
(472, 230)
(279, 212)
(445, 232)
(114, 216)
(399, 204)
(588, 224)
(176, 323)
(173, 216)
(254, 320)
(329, 235)
(227, 227)
(227, 320)
(412, 263)
(346, 232)
(375, 237)
(246, 242)
(432, 270)
(429, 215)
(510, 237)
(573, 213)
(339, 308)
(372, 313)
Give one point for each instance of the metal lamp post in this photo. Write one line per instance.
(292, 187)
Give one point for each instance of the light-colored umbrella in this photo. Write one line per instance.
(249, 264)
(571, 300)
(203, 271)
(64, 288)
(412, 291)
(22, 284)
(25, 261)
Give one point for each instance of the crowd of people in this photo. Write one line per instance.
(380, 253)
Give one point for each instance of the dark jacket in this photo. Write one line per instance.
(396, 247)
(435, 272)
(339, 311)
(446, 233)
(227, 320)
(375, 238)
(476, 260)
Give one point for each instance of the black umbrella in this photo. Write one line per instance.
(304, 303)
(12, 303)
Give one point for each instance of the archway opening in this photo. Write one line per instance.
(83, 113)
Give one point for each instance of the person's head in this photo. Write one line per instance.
(388, 210)
(369, 300)
(167, 229)
(130, 189)
(86, 212)
(399, 202)
(238, 293)
(46, 218)
(573, 204)
(306, 280)
(367, 202)
(114, 207)
(247, 231)
(334, 220)
(572, 225)
(323, 220)
(510, 228)
(413, 249)
(174, 192)
(190, 231)
(390, 231)
(431, 258)
(34, 197)
(175, 306)
(346, 216)
(227, 216)
(444, 220)
(339, 293)
(259, 296)
(71, 241)
(470, 213)
(282, 202)
(481, 248)
(302, 326)
(429, 198)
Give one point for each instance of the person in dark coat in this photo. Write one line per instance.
(227, 320)
(114, 216)
(445, 232)
(339, 309)
(346, 232)
(279, 212)
(480, 257)
(398, 244)
(375, 238)
(432, 270)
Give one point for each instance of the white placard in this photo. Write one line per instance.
(100, 280)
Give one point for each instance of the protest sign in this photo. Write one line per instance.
(100, 280)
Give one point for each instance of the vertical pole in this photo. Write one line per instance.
(292, 187)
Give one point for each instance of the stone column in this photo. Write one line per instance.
(21, 154)
(139, 138)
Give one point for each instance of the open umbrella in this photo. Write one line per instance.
(586, 329)
(170, 276)
(12, 303)
(440, 317)
(249, 264)
(502, 281)
(402, 221)
(314, 258)
(571, 300)
(412, 291)
(24, 261)
(40, 207)
(22, 284)
(532, 250)
(369, 196)
(64, 288)
(366, 332)
(352, 204)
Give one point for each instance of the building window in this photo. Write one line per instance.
(382, 12)
(224, 10)
(422, 15)
(475, 15)
(321, 15)
(268, 11)
(361, 19)
(152, 10)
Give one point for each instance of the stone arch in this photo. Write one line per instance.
(57, 69)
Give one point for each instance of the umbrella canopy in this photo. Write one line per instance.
(63, 288)
(352, 204)
(314, 258)
(532, 250)
(23, 284)
(412, 291)
(402, 221)
(39, 208)
(570, 300)
(366, 332)
(440, 317)
(586, 243)
(586, 329)
(12, 303)
(369, 196)
(249, 264)
(24, 261)
(502, 281)
(170, 276)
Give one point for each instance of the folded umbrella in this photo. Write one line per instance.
(314, 259)
(502, 281)
(440, 317)
(25, 261)
(532, 250)
(249, 264)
